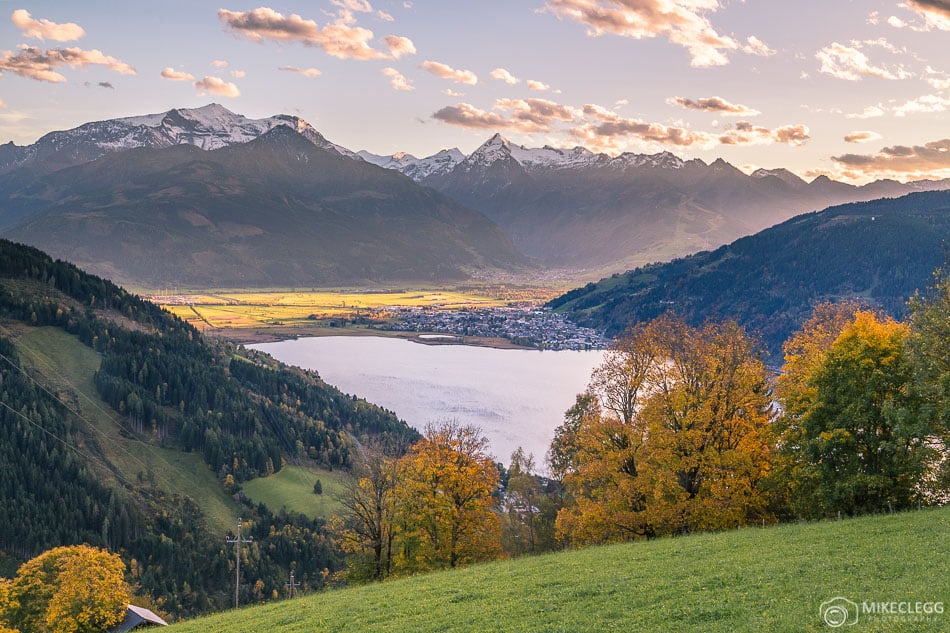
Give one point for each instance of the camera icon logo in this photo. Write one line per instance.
(839, 612)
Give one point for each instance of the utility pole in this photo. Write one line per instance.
(238, 541)
(292, 586)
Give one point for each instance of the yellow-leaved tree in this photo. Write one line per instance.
(679, 440)
(443, 496)
(76, 589)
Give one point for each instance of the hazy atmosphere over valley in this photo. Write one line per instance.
(475, 315)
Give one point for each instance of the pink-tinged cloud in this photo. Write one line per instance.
(922, 105)
(447, 72)
(238, 74)
(500, 74)
(306, 72)
(845, 62)
(870, 112)
(218, 86)
(399, 46)
(534, 84)
(468, 116)
(34, 63)
(862, 136)
(220, 63)
(713, 104)
(609, 131)
(44, 29)
(525, 115)
(339, 39)
(935, 12)
(682, 22)
(176, 75)
(755, 46)
(397, 80)
(744, 133)
(931, 160)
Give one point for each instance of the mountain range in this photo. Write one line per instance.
(574, 208)
(877, 253)
(208, 198)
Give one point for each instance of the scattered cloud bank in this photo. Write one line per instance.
(851, 64)
(44, 29)
(713, 104)
(682, 22)
(38, 64)
(447, 72)
(601, 129)
(898, 161)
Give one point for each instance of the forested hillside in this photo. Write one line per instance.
(169, 388)
(877, 252)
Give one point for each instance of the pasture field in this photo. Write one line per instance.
(236, 310)
(292, 488)
(772, 579)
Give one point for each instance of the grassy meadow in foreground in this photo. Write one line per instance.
(751, 580)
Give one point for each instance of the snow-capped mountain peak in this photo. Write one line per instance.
(209, 127)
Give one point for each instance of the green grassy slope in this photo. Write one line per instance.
(292, 488)
(67, 367)
(772, 579)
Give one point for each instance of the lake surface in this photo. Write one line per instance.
(516, 397)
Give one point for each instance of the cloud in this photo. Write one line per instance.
(218, 86)
(106, 84)
(845, 62)
(238, 74)
(755, 46)
(931, 160)
(713, 104)
(862, 136)
(869, 112)
(34, 63)
(397, 80)
(176, 75)
(745, 133)
(682, 22)
(526, 115)
(452, 93)
(468, 116)
(500, 74)
(44, 29)
(399, 46)
(3, 104)
(339, 39)
(923, 104)
(537, 85)
(306, 72)
(447, 72)
(609, 130)
(935, 12)
(220, 63)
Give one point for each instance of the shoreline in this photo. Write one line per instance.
(254, 336)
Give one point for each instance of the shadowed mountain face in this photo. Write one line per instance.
(877, 252)
(276, 211)
(579, 209)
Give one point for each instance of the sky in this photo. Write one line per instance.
(854, 89)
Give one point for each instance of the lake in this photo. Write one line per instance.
(516, 397)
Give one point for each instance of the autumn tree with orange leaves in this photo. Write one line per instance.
(679, 440)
